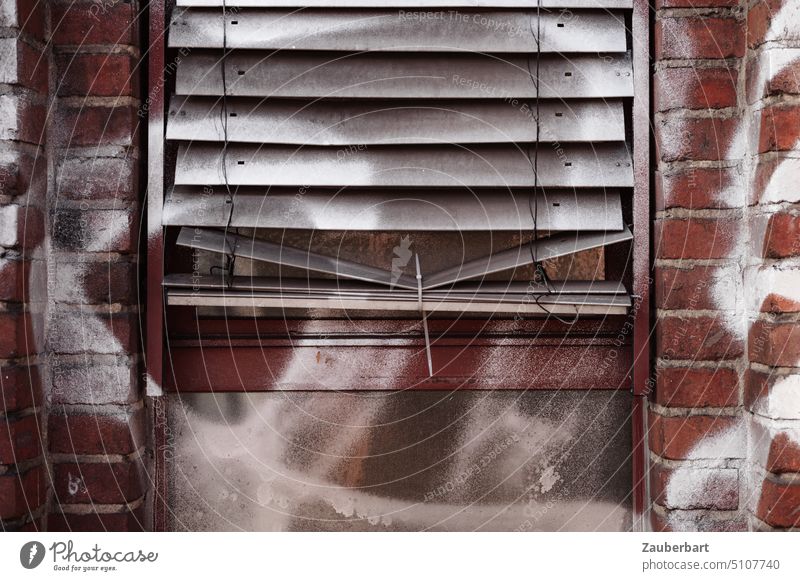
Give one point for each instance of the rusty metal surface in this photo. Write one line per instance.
(252, 120)
(396, 30)
(557, 210)
(409, 76)
(408, 461)
(569, 166)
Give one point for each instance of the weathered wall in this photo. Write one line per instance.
(23, 191)
(70, 220)
(725, 418)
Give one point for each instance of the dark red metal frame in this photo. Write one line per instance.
(154, 333)
(245, 354)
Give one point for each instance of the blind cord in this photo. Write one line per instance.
(230, 257)
(540, 274)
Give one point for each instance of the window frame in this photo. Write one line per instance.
(171, 353)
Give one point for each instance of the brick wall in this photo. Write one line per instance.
(23, 192)
(68, 226)
(725, 418)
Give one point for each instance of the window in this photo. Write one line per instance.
(445, 183)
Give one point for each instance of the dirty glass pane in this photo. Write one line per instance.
(400, 461)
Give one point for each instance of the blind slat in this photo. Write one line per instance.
(559, 166)
(311, 285)
(374, 211)
(405, 76)
(424, 4)
(375, 123)
(400, 30)
(547, 304)
(542, 249)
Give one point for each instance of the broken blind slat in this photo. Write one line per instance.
(269, 252)
(385, 30)
(384, 123)
(592, 210)
(605, 165)
(405, 76)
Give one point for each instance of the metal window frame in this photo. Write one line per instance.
(168, 362)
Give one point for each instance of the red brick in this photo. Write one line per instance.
(690, 288)
(96, 433)
(80, 126)
(782, 238)
(112, 282)
(98, 178)
(776, 344)
(102, 483)
(30, 18)
(25, 225)
(779, 304)
(768, 75)
(756, 388)
(28, 122)
(699, 38)
(24, 175)
(691, 522)
(759, 397)
(21, 387)
(95, 383)
(695, 88)
(94, 230)
(697, 387)
(696, 339)
(779, 128)
(699, 188)
(16, 335)
(695, 3)
(95, 283)
(695, 238)
(12, 277)
(719, 489)
(19, 439)
(785, 81)
(680, 138)
(103, 75)
(759, 23)
(75, 331)
(21, 494)
(779, 504)
(784, 455)
(785, 189)
(97, 522)
(677, 438)
(80, 24)
(25, 65)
